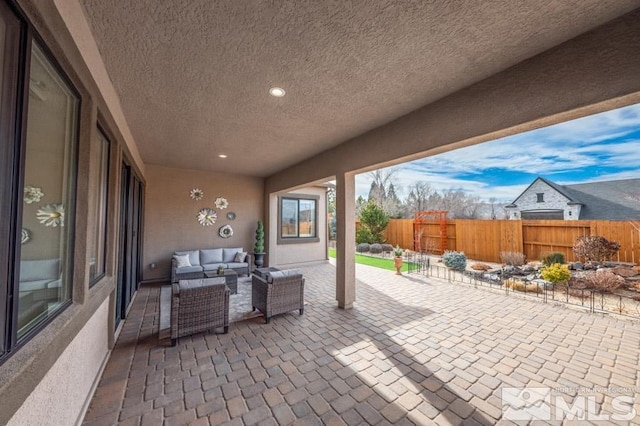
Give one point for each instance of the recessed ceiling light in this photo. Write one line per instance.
(277, 92)
(222, 155)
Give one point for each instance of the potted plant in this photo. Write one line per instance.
(397, 259)
(258, 248)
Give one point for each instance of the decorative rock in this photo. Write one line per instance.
(625, 271)
(576, 266)
(529, 277)
(528, 268)
(480, 267)
(543, 284)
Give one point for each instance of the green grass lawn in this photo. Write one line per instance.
(377, 262)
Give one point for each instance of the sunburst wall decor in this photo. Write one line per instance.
(207, 217)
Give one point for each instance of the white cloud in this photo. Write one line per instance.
(582, 144)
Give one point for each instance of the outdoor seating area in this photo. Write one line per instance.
(411, 351)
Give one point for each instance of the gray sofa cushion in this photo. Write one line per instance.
(194, 256)
(236, 265)
(184, 284)
(213, 266)
(188, 269)
(34, 285)
(229, 254)
(36, 270)
(209, 256)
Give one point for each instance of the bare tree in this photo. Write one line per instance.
(418, 197)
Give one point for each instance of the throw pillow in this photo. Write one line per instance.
(241, 256)
(182, 260)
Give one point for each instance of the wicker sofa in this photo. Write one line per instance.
(197, 306)
(277, 292)
(208, 260)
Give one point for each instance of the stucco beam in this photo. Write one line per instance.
(594, 72)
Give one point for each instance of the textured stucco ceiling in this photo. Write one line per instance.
(193, 75)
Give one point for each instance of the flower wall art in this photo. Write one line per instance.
(207, 217)
(51, 215)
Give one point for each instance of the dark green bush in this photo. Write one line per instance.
(387, 248)
(362, 247)
(375, 248)
(552, 258)
(375, 220)
(363, 235)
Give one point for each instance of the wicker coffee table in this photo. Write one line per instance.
(230, 279)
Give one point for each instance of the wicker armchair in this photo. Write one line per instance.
(198, 305)
(277, 295)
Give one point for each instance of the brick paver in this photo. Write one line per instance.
(413, 350)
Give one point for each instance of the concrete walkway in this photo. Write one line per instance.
(413, 350)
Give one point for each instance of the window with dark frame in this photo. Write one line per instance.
(39, 127)
(100, 184)
(298, 218)
(540, 197)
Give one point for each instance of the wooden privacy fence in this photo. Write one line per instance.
(483, 240)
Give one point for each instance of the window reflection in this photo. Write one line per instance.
(47, 220)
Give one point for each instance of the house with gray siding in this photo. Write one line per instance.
(607, 200)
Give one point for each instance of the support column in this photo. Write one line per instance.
(345, 240)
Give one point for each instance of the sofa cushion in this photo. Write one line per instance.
(236, 265)
(213, 266)
(283, 273)
(204, 282)
(189, 269)
(35, 270)
(229, 254)
(34, 285)
(240, 257)
(209, 256)
(182, 260)
(194, 256)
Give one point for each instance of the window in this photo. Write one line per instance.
(9, 77)
(540, 197)
(100, 184)
(39, 127)
(298, 218)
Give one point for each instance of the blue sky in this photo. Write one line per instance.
(599, 147)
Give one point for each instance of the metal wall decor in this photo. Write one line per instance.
(51, 215)
(25, 236)
(221, 203)
(231, 216)
(196, 194)
(32, 194)
(225, 231)
(207, 217)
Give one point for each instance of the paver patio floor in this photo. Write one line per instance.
(413, 350)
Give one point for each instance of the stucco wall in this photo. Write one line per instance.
(288, 254)
(61, 395)
(170, 222)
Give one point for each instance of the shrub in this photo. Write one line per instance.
(556, 273)
(604, 281)
(512, 258)
(454, 260)
(375, 248)
(552, 258)
(362, 247)
(387, 248)
(363, 235)
(520, 286)
(375, 220)
(594, 248)
(398, 252)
